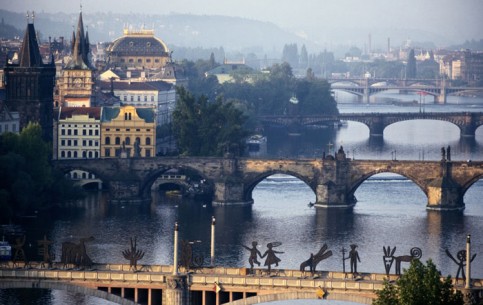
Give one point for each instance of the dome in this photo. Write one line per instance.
(138, 43)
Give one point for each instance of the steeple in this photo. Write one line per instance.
(80, 48)
(29, 53)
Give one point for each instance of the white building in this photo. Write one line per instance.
(9, 121)
(78, 133)
(158, 95)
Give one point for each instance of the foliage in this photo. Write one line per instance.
(28, 182)
(419, 285)
(411, 65)
(207, 128)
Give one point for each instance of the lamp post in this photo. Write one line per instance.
(468, 262)
(175, 255)
(213, 222)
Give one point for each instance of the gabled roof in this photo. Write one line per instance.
(110, 113)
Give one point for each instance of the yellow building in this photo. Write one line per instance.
(128, 132)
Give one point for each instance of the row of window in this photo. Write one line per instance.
(139, 60)
(118, 151)
(7, 128)
(84, 143)
(127, 141)
(137, 97)
(74, 154)
(84, 175)
(74, 132)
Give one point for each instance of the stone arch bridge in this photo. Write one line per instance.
(467, 122)
(333, 179)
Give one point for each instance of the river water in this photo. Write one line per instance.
(390, 210)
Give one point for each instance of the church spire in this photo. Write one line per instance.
(80, 47)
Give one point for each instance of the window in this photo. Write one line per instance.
(90, 154)
(84, 132)
(69, 154)
(62, 154)
(132, 98)
(152, 98)
(84, 155)
(107, 152)
(62, 143)
(139, 98)
(90, 142)
(62, 132)
(69, 132)
(75, 154)
(148, 141)
(75, 132)
(75, 142)
(96, 132)
(84, 142)
(140, 60)
(145, 98)
(69, 143)
(90, 132)
(148, 60)
(108, 140)
(131, 60)
(148, 152)
(118, 141)
(128, 141)
(125, 98)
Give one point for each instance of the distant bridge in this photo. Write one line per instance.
(467, 122)
(365, 87)
(155, 284)
(334, 179)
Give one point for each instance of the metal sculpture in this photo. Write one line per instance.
(270, 254)
(133, 255)
(188, 259)
(354, 258)
(389, 258)
(254, 253)
(461, 262)
(44, 251)
(76, 254)
(315, 259)
(19, 254)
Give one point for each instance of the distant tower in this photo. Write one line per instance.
(76, 84)
(29, 84)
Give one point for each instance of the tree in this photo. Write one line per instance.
(207, 128)
(411, 65)
(419, 285)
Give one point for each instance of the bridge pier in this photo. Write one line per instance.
(230, 193)
(376, 127)
(333, 191)
(177, 290)
(443, 193)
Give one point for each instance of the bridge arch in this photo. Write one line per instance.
(357, 183)
(251, 183)
(149, 180)
(333, 296)
(467, 186)
(84, 177)
(31, 284)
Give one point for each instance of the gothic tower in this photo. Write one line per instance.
(29, 85)
(76, 84)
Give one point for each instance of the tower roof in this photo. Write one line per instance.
(30, 53)
(80, 48)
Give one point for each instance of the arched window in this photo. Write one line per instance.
(84, 154)
(75, 154)
(108, 140)
(74, 175)
(128, 141)
(62, 154)
(118, 141)
(148, 141)
(69, 155)
(84, 175)
(90, 154)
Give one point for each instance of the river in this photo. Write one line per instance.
(390, 210)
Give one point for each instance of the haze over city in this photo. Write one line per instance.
(444, 21)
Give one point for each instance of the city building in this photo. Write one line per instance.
(75, 86)
(463, 65)
(78, 133)
(138, 49)
(128, 132)
(229, 71)
(29, 85)
(9, 121)
(158, 95)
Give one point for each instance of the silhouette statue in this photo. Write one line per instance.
(315, 259)
(254, 253)
(270, 254)
(76, 254)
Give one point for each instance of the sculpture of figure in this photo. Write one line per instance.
(354, 258)
(461, 255)
(137, 149)
(414, 253)
(443, 154)
(44, 250)
(315, 259)
(76, 253)
(19, 254)
(133, 254)
(270, 254)
(253, 254)
(448, 153)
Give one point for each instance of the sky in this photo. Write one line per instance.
(455, 19)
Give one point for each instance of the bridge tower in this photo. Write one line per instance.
(332, 190)
(367, 92)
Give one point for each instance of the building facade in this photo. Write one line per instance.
(9, 121)
(128, 132)
(78, 131)
(75, 86)
(29, 85)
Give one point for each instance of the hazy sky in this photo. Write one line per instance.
(461, 19)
